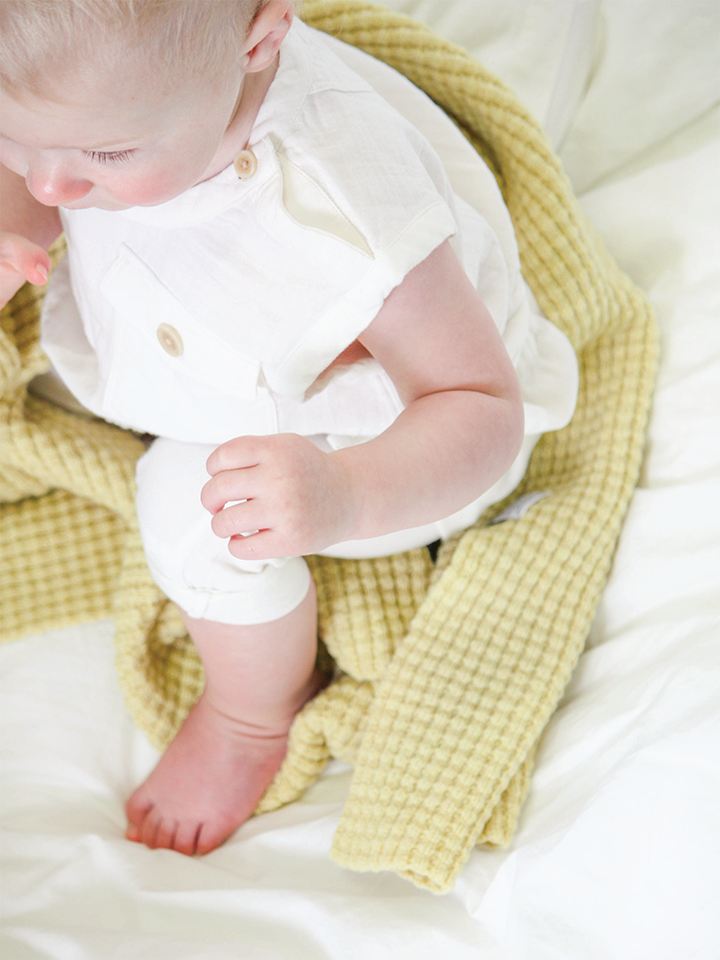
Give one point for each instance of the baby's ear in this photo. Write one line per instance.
(267, 32)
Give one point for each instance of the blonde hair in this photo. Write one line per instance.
(39, 38)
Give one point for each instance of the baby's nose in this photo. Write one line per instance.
(54, 187)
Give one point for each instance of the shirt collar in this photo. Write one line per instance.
(277, 113)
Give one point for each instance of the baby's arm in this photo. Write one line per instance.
(460, 431)
(27, 229)
(462, 426)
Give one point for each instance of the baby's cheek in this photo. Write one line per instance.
(11, 157)
(152, 189)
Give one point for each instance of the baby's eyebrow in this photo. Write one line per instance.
(123, 145)
(108, 152)
(99, 148)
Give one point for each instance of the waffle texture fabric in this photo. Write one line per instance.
(445, 674)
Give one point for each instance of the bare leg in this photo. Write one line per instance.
(233, 742)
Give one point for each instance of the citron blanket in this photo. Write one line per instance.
(445, 674)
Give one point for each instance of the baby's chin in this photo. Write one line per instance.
(100, 204)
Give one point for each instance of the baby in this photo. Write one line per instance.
(269, 272)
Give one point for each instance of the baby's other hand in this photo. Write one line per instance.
(20, 260)
(292, 498)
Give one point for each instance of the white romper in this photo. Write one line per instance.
(213, 315)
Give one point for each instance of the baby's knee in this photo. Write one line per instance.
(189, 563)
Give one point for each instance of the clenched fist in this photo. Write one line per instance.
(285, 495)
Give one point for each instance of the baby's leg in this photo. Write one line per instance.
(233, 742)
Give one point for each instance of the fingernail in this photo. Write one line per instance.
(42, 270)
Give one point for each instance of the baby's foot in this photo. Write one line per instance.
(206, 784)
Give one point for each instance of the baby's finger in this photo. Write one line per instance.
(263, 545)
(26, 257)
(236, 454)
(228, 486)
(238, 519)
(37, 273)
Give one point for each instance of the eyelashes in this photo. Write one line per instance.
(115, 156)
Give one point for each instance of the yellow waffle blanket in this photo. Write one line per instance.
(445, 675)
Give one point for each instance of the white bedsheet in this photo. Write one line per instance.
(618, 852)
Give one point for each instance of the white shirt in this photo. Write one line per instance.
(212, 315)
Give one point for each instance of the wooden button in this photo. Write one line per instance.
(245, 164)
(170, 340)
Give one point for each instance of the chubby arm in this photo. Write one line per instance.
(27, 229)
(463, 420)
(459, 432)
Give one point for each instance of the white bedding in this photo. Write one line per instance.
(618, 851)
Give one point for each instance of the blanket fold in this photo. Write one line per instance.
(445, 674)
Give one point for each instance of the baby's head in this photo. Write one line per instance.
(44, 41)
(88, 85)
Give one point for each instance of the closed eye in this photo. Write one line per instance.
(115, 156)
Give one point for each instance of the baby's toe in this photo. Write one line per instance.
(165, 834)
(136, 809)
(150, 826)
(211, 835)
(186, 837)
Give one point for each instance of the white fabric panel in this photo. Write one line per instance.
(660, 59)
(529, 43)
(608, 79)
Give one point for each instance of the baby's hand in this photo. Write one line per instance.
(296, 497)
(20, 260)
